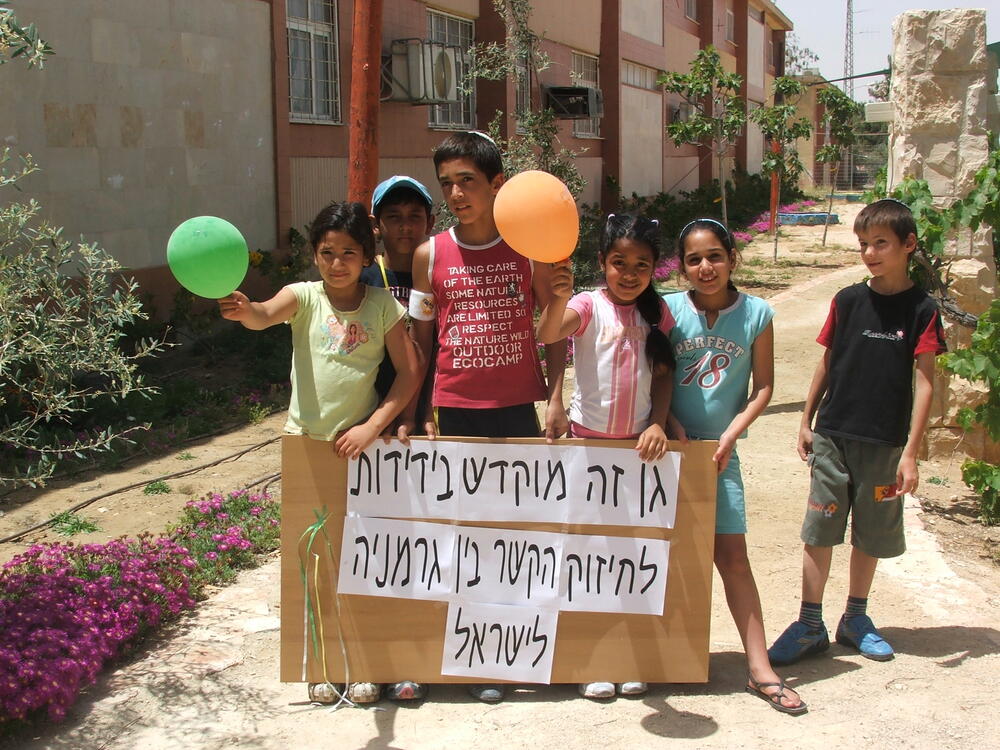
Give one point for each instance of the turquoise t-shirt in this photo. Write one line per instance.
(335, 358)
(714, 365)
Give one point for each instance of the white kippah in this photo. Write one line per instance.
(422, 305)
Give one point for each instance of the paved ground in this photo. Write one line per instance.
(212, 681)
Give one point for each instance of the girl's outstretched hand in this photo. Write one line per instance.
(234, 307)
(652, 445)
(350, 444)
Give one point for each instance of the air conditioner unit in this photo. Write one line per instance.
(573, 102)
(879, 111)
(424, 72)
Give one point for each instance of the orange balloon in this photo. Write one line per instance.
(536, 216)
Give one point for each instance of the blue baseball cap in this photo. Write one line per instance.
(399, 181)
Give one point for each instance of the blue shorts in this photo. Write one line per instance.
(730, 505)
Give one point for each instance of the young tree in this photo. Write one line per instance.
(782, 127)
(62, 312)
(840, 115)
(535, 145)
(718, 113)
(797, 56)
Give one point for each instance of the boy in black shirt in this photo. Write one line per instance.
(402, 212)
(863, 449)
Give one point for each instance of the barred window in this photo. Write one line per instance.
(449, 29)
(522, 91)
(585, 74)
(639, 76)
(313, 64)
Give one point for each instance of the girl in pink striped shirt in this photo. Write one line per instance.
(623, 358)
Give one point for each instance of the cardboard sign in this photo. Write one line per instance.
(441, 600)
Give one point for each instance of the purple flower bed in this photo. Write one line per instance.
(65, 610)
(666, 267)
(762, 223)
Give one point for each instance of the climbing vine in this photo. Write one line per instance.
(980, 360)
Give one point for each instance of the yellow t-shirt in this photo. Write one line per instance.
(335, 358)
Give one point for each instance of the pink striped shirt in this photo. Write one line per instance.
(613, 376)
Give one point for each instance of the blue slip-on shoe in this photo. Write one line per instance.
(859, 631)
(797, 641)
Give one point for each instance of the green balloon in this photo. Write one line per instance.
(208, 256)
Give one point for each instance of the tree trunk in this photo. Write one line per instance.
(829, 207)
(722, 189)
(777, 196)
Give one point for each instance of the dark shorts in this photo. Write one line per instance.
(504, 422)
(854, 477)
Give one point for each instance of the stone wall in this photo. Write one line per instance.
(942, 93)
(149, 113)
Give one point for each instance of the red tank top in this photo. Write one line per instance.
(487, 357)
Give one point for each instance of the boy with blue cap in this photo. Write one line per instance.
(402, 216)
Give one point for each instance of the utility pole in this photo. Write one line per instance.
(849, 50)
(366, 66)
(848, 160)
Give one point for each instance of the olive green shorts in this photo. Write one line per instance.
(852, 477)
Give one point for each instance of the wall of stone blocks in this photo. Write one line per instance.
(942, 98)
(149, 113)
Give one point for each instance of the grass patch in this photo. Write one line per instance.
(70, 524)
(159, 487)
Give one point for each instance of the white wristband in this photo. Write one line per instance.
(422, 306)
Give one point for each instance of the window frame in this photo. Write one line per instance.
(691, 10)
(522, 92)
(591, 127)
(316, 31)
(443, 116)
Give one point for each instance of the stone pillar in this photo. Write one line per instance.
(940, 93)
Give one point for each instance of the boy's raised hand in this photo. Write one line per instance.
(235, 307)
(562, 279)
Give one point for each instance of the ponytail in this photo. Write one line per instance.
(658, 348)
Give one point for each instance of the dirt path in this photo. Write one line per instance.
(212, 682)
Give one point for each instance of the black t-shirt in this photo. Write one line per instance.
(873, 340)
(400, 284)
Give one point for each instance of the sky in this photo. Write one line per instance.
(820, 27)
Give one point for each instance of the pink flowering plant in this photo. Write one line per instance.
(66, 610)
(226, 533)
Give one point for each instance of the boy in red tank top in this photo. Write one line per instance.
(480, 296)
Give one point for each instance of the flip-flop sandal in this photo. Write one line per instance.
(774, 699)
